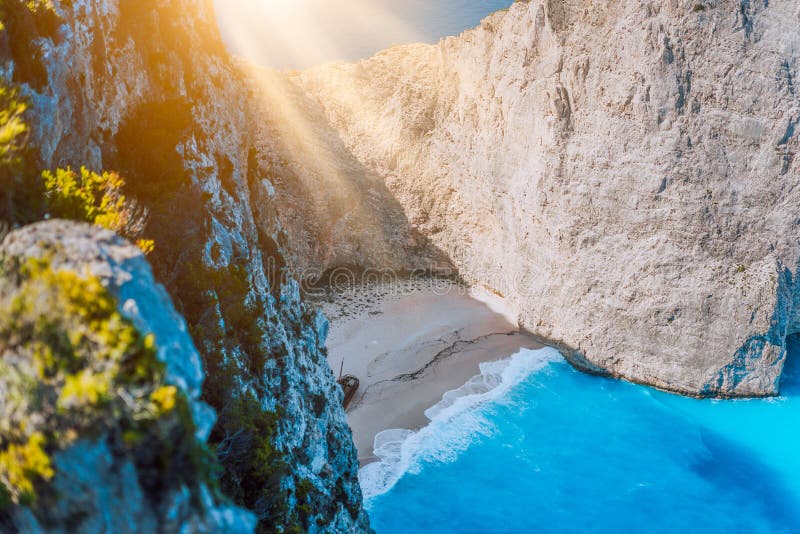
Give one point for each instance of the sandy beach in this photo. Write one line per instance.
(410, 344)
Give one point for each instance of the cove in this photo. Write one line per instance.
(563, 451)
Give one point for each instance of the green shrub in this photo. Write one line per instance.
(23, 465)
(20, 192)
(87, 196)
(96, 199)
(25, 21)
(74, 368)
(12, 127)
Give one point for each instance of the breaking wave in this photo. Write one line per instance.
(455, 422)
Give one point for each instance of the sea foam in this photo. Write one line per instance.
(455, 422)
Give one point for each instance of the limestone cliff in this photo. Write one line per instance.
(336, 211)
(624, 172)
(146, 88)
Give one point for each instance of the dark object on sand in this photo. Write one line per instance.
(349, 385)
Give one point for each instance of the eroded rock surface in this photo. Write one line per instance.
(146, 88)
(624, 172)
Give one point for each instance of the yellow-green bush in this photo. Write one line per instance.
(23, 465)
(164, 399)
(20, 193)
(94, 198)
(74, 368)
(84, 389)
(12, 127)
(87, 196)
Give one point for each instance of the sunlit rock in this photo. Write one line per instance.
(625, 173)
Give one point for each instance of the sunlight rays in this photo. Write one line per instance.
(308, 160)
(302, 33)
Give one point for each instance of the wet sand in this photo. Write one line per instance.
(409, 345)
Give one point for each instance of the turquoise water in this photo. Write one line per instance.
(556, 450)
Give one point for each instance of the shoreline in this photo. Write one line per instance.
(411, 343)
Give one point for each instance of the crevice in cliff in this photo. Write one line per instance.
(790, 381)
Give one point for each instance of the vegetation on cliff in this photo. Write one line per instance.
(74, 369)
(20, 196)
(96, 199)
(26, 195)
(250, 334)
(63, 193)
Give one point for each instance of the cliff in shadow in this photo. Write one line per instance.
(146, 88)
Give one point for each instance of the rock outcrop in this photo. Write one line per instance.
(101, 479)
(624, 172)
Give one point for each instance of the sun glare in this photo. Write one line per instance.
(293, 34)
(288, 34)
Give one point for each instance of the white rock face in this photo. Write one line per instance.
(624, 172)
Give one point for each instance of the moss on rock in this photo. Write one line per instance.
(72, 367)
